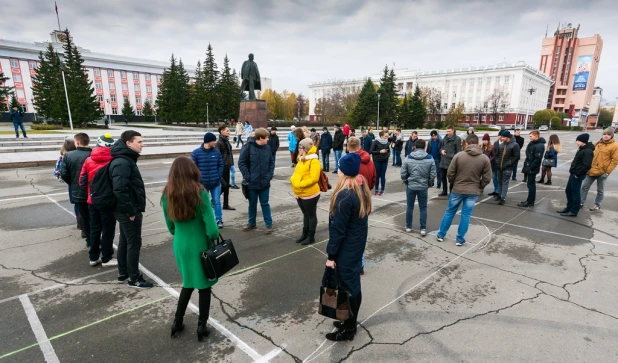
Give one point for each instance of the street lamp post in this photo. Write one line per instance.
(155, 113)
(207, 117)
(66, 94)
(109, 117)
(531, 91)
(33, 108)
(378, 124)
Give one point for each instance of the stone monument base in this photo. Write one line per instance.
(255, 112)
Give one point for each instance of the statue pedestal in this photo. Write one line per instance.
(255, 112)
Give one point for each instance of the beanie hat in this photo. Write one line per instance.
(486, 137)
(433, 132)
(105, 140)
(274, 128)
(209, 137)
(337, 126)
(350, 164)
(312, 129)
(501, 132)
(306, 144)
(325, 128)
(610, 132)
(292, 127)
(506, 134)
(583, 138)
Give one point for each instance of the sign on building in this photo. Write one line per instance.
(584, 62)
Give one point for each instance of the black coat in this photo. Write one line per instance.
(582, 162)
(326, 142)
(410, 146)
(534, 157)
(452, 145)
(366, 143)
(376, 147)
(520, 141)
(338, 140)
(127, 180)
(347, 237)
(273, 143)
(507, 155)
(72, 163)
(256, 165)
(225, 148)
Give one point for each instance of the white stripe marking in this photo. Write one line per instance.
(39, 332)
(58, 204)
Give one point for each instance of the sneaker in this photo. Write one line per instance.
(381, 193)
(235, 187)
(123, 279)
(443, 194)
(249, 228)
(440, 239)
(140, 283)
(220, 224)
(375, 193)
(460, 243)
(94, 263)
(502, 201)
(423, 232)
(110, 263)
(595, 208)
(408, 230)
(268, 230)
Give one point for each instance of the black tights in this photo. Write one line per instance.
(546, 170)
(309, 208)
(204, 303)
(355, 304)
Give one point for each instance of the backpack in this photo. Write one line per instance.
(101, 189)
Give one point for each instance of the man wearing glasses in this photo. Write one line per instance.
(604, 162)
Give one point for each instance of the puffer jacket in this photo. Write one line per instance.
(605, 158)
(210, 163)
(127, 180)
(452, 145)
(367, 169)
(366, 143)
(376, 147)
(470, 171)
(256, 165)
(534, 157)
(326, 142)
(507, 155)
(582, 162)
(306, 175)
(292, 141)
(418, 170)
(71, 168)
(225, 148)
(99, 157)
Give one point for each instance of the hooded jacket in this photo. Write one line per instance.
(507, 155)
(306, 175)
(367, 169)
(470, 171)
(452, 146)
(605, 158)
(338, 140)
(225, 148)
(273, 143)
(127, 180)
(292, 141)
(534, 156)
(326, 142)
(418, 170)
(582, 162)
(210, 163)
(99, 157)
(71, 168)
(256, 165)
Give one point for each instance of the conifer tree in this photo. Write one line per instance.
(5, 91)
(127, 110)
(418, 110)
(15, 103)
(47, 87)
(228, 92)
(366, 110)
(211, 79)
(403, 113)
(388, 97)
(196, 109)
(173, 95)
(183, 95)
(147, 111)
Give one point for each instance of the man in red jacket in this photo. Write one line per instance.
(346, 130)
(367, 169)
(102, 223)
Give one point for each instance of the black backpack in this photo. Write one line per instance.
(101, 189)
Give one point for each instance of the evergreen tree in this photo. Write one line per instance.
(15, 103)
(83, 102)
(127, 110)
(366, 110)
(403, 113)
(147, 111)
(418, 110)
(184, 92)
(174, 93)
(229, 93)
(388, 97)
(48, 88)
(211, 78)
(196, 109)
(4, 91)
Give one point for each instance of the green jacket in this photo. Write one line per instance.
(190, 240)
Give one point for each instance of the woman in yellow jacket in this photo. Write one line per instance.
(306, 189)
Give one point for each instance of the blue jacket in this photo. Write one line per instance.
(410, 146)
(15, 116)
(210, 163)
(248, 130)
(552, 154)
(326, 142)
(256, 165)
(292, 141)
(366, 143)
(347, 237)
(433, 148)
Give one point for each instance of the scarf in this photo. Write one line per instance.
(382, 141)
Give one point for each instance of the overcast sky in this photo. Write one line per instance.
(297, 42)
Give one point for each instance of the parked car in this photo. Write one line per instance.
(543, 128)
(495, 127)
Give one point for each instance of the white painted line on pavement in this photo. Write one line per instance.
(32, 196)
(59, 205)
(39, 332)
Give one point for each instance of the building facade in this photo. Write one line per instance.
(524, 89)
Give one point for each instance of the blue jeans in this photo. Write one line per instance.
(325, 160)
(573, 192)
(494, 176)
(411, 196)
(468, 200)
(514, 175)
(262, 195)
(397, 157)
(438, 173)
(337, 157)
(380, 174)
(239, 140)
(233, 175)
(215, 195)
(17, 125)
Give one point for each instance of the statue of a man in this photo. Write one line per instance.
(250, 75)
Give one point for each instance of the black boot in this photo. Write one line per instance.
(303, 236)
(310, 239)
(341, 335)
(202, 330)
(548, 182)
(541, 181)
(177, 326)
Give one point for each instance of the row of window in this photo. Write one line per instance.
(138, 100)
(137, 112)
(31, 64)
(123, 74)
(125, 87)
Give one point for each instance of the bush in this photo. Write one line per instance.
(41, 126)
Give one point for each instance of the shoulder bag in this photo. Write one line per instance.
(334, 301)
(219, 259)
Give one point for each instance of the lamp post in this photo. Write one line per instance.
(33, 108)
(109, 117)
(156, 109)
(207, 118)
(378, 124)
(531, 91)
(66, 94)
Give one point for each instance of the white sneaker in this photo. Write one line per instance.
(110, 263)
(408, 230)
(94, 263)
(423, 233)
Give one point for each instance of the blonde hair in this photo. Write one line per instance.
(362, 192)
(353, 143)
(306, 131)
(555, 142)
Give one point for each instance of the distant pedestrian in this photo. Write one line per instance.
(189, 218)
(126, 122)
(326, 144)
(380, 153)
(433, 149)
(507, 155)
(257, 167)
(316, 141)
(351, 134)
(469, 173)
(305, 186)
(210, 163)
(494, 166)
(346, 130)
(371, 135)
(292, 142)
(349, 211)
(581, 165)
(225, 148)
(248, 129)
(239, 132)
(299, 134)
(273, 143)
(365, 141)
(449, 147)
(603, 164)
(520, 141)
(490, 152)
(18, 123)
(410, 144)
(551, 153)
(532, 165)
(418, 172)
(397, 145)
(338, 141)
(470, 131)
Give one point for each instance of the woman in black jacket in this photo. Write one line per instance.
(380, 153)
(348, 224)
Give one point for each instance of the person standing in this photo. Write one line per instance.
(380, 153)
(371, 135)
(410, 144)
(603, 164)
(470, 131)
(348, 226)
(365, 141)
(397, 145)
(469, 173)
(292, 142)
(449, 147)
(248, 129)
(316, 141)
(346, 130)
(490, 152)
(582, 163)
(71, 168)
(338, 140)
(305, 186)
(257, 168)
(239, 132)
(273, 143)
(433, 149)
(507, 155)
(520, 141)
(299, 134)
(326, 143)
(69, 145)
(551, 153)
(130, 195)
(210, 163)
(225, 148)
(494, 167)
(418, 172)
(102, 222)
(189, 218)
(532, 165)
(18, 123)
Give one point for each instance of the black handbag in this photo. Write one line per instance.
(334, 301)
(245, 186)
(219, 259)
(548, 162)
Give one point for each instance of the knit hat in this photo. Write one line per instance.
(209, 137)
(610, 132)
(274, 128)
(325, 128)
(337, 126)
(312, 129)
(501, 132)
(433, 132)
(105, 140)
(305, 144)
(292, 127)
(486, 137)
(350, 164)
(583, 138)
(506, 134)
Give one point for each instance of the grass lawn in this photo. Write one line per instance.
(34, 132)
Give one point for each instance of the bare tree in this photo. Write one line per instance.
(497, 103)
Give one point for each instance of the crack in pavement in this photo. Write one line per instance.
(34, 244)
(49, 279)
(371, 341)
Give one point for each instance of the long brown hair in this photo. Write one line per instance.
(555, 142)
(362, 192)
(183, 190)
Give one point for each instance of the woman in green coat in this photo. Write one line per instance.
(189, 217)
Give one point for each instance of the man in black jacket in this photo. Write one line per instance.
(449, 147)
(532, 165)
(520, 141)
(224, 146)
(71, 168)
(130, 196)
(507, 155)
(338, 140)
(273, 143)
(582, 162)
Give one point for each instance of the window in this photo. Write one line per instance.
(148, 89)
(97, 72)
(123, 74)
(135, 75)
(113, 98)
(114, 111)
(138, 112)
(158, 78)
(112, 86)
(149, 100)
(147, 76)
(445, 105)
(443, 118)
(138, 100)
(20, 93)
(492, 118)
(125, 87)
(16, 78)
(110, 73)
(125, 99)
(501, 118)
(100, 98)
(97, 84)
(32, 64)
(484, 118)
(14, 63)
(137, 88)
(476, 117)
(453, 105)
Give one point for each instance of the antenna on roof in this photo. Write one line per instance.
(546, 29)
